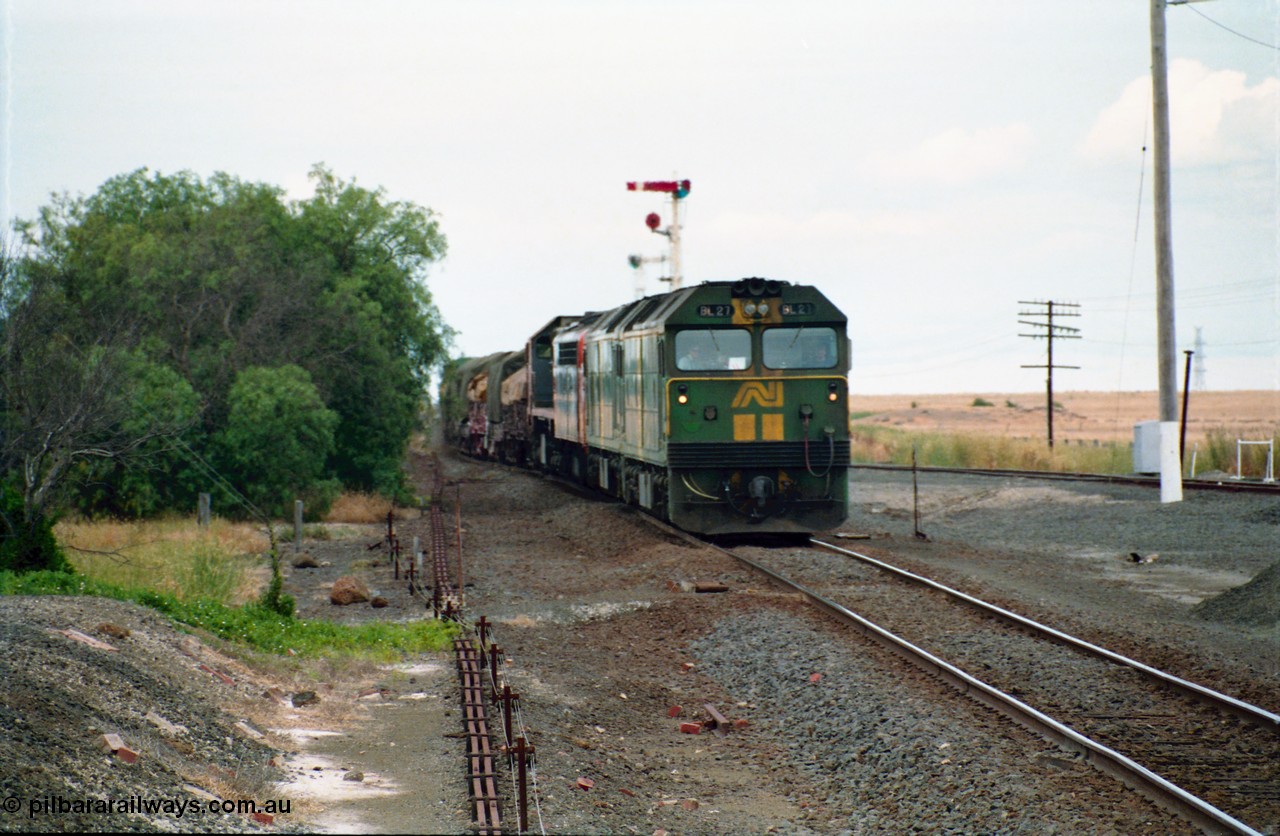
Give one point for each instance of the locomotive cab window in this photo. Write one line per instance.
(799, 348)
(713, 349)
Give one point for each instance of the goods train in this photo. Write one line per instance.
(721, 408)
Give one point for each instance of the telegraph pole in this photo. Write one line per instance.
(1050, 333)
(1170, 463)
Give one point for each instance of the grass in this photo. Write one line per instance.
(173, 556)
(251, 624)
(1219, 453)
(888, 445)
(359, 508)
(210, 579)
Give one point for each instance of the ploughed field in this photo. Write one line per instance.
(1078, 417)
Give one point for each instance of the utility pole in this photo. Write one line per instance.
(1050, 332)
(1198, 369)
(1170, 461)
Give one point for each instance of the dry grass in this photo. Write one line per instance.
(1080, 417)
(1093, 431)
(887, 445)
(172, 555)
(359, 508)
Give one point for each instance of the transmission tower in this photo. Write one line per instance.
(1048, 330)
(1198, 363)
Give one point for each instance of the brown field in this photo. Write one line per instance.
(1080, 416)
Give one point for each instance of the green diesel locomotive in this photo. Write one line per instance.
(721, 408)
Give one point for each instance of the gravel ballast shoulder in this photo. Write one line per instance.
(603, 641)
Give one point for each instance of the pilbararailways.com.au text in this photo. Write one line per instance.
(56, 805)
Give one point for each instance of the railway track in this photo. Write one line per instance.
(1210, 758)
(1230, 485)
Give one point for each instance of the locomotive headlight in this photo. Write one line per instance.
(763, 308)
(749, 309)
(832, 394)
(683, 396)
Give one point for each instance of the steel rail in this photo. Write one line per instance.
(1107, 478)
(1102, 757)
(1246, 711)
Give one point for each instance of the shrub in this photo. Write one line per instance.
(26, 545)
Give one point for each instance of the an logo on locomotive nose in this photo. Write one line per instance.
(765, 393)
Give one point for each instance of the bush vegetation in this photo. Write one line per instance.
(170, 335)
(214, 579)
(254, 625)
(889, 445)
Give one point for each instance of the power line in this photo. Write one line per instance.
(1050, 333)
(1227, 28)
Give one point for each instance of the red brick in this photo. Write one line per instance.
(691, 728)
(674, 711)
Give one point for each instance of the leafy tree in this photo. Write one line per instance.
(386, 333)
(64, 395)
(277, 438)
(179, 278)
(161, 473)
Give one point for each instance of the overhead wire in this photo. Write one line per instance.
(1242, 35)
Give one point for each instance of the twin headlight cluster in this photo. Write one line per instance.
(710, 413)
(756, 309)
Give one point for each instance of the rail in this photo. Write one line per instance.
(1172, 797)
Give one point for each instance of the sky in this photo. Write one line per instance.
(927, 164)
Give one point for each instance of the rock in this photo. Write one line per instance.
(166, 728)
(378, 602)
(305, 561)
(304, 698)
(354, 776)
(348, 590)
(115, 631)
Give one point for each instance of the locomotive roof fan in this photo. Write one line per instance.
(756, 287)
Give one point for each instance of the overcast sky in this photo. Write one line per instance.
(926, 163)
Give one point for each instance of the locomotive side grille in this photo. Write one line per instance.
(756, 454)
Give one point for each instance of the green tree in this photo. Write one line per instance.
(65, 394)
(211, 278)
(276, 441)
(385, 332)
(162, 473)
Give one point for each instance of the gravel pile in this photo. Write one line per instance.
(1256, 603)
(61, 696)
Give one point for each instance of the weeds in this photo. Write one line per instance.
(253, 624)
(173, 556)
(358, 508)
(1220, 452)
(888, 445)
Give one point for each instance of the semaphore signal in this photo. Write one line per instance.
(679, 190)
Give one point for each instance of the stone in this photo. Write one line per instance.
(305, 561)
(304, 698)
(378, 602)
(348, 590)
(115, 631)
